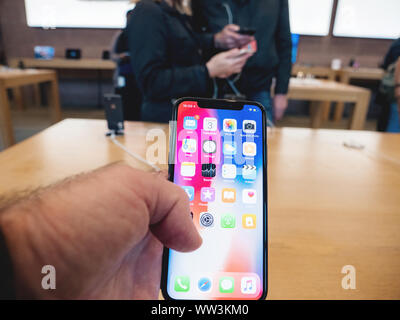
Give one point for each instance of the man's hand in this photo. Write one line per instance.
(229, 38)
(280, 105)
(103, 232)
(226, 63)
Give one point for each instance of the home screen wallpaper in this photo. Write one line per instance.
(219, 163)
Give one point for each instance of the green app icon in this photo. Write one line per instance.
(228, 221)
(182, 284)
(226, 285)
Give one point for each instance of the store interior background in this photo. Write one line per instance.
(79, 89)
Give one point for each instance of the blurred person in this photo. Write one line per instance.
(397, 89)
(270, 20)
(108, 246)
(389, 91)
(168, 56)
(124, 80)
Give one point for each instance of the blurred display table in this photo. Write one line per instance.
(88, 64)
(14, 79)
(99, 66)
(317, 91)
(348, 74)
(329, 206)
(314, 71)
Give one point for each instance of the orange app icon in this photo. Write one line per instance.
(249, 221)
(228, 195)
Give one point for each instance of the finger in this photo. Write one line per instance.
(170, 218)
(245, 40)
(232, 27)
(233, 53)
(241, 59)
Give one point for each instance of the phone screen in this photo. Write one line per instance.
(220, 163)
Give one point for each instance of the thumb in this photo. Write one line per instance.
(233, 27)
(170, 217)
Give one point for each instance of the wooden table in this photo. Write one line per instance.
(57, 63)
(314, 71)
(98, 65)
(304, 71)
(347, 74)
(14, 78)
(329, 206)
(317, 91)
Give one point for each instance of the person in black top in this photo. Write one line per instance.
(270, 20)
(389, 120)
(167, 57)
(124, 80)
(392, 55)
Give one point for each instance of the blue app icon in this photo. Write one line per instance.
(229, 148)
(190, 192)
(190, 123)
(204, 284)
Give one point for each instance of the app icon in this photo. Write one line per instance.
(190, 123)
(249, 149)
(249, 126)
(210, 124)
(182, 284)
(188, 169)
(248, 285)
(228, 221)
(189, 145)
(229, 195)
(209, 146)
(189, 191)
(208, 170)
(204, 284)
(229, 171)
(207, 194)
(249, 172)
(226, 285)
(249, 196)
(230, 125)
(229, 148)
(206, 219)
(249, 221)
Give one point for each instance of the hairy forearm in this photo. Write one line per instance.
(42, 229)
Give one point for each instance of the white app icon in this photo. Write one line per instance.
(188, 169)
(229, 171)
(249, 196)
(248, 285)
(230, 125)
(209, 146)
(189, 145)
(249, 149)
(210, 124)
(249, 126)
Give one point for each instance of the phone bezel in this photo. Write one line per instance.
(229, 105)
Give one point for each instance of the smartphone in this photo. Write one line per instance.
(114, 113)
(218, 155)
(247, 31)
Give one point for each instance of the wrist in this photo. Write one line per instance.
(210, 69)
(217, 41)
(7, 279)
(22, 234)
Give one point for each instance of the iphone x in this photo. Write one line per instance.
(218, 156)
